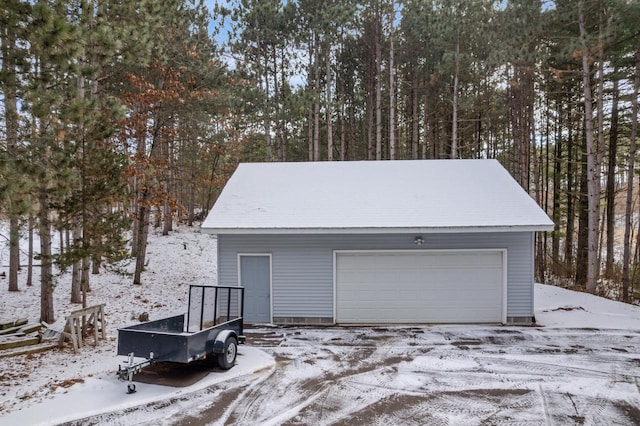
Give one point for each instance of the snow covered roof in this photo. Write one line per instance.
(374, 196)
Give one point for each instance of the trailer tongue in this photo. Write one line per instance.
(212, 326)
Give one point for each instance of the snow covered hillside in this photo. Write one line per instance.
(185, 257)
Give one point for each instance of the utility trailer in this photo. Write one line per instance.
(212, 326)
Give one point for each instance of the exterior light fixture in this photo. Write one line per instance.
(418, 241)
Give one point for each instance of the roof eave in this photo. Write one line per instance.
(379, 230)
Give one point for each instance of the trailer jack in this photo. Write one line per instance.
(127, 372)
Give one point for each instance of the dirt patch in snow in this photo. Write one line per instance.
(175, 374)
(568, 309)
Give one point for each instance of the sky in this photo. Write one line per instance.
(222, 36)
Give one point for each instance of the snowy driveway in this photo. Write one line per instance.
(439, 375)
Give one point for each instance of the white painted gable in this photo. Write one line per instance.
(374, 196)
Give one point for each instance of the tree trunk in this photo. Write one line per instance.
(570, 228)
(545, 184)
(46, 268)
(328, 101)
(539, 251)
(143, 227)
(84, 280)
(11, 127)
(76, 270)
(454, 118)
(316, 104)
(626, 281)
(557, 170)
(351, 153)
(167, 217)
(343, 127)
(14, 252)
(167, 225)
(415, 120)
(370, 124)
(582, 257)
(611, 176)
(599, 148)
(310, 120)
(521, 98)
(593, 195)
(378, 72)
(138, 183)
(425, 144)
(282, 147)
(275, 101)
(310, 130)
(96, 258)
(95, 266)
(192, 191)
(392, 92)
(30, 260)
(267, 117)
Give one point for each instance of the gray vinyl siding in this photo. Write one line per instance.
(302, 265)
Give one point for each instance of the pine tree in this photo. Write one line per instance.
(13, 15)
(181, 82)
(50, 47)
(99, 161)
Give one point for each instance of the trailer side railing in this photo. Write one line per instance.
(213, 305)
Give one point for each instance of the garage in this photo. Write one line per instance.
(405, 287)
(379, 242)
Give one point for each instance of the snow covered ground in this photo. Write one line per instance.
(582, 366)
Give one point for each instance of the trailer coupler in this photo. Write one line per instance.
(127, 372)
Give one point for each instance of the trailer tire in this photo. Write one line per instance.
(227, 358)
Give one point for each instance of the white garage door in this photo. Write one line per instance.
(419, 287)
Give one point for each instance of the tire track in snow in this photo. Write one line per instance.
(466, 402)
(241, 399)
(545, 405)
(294, 396)
(293, 411)
(344, 393)
(250, 414)
(595, 411)
(553, 369)
(398, 410)
(602, 401)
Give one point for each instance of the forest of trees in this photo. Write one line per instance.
(117, 115)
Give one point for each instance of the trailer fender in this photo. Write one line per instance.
(218, 344)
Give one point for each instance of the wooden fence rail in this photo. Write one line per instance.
(80, 323)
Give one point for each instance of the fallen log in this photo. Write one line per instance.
(30, 328)
(26, 350)
(12, 324)
(19, 342)
(9, 331)
(22, 329)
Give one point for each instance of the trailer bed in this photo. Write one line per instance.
(190, 336)
(166, 340)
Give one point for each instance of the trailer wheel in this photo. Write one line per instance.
(228, 357)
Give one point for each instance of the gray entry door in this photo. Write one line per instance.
(255, 277)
